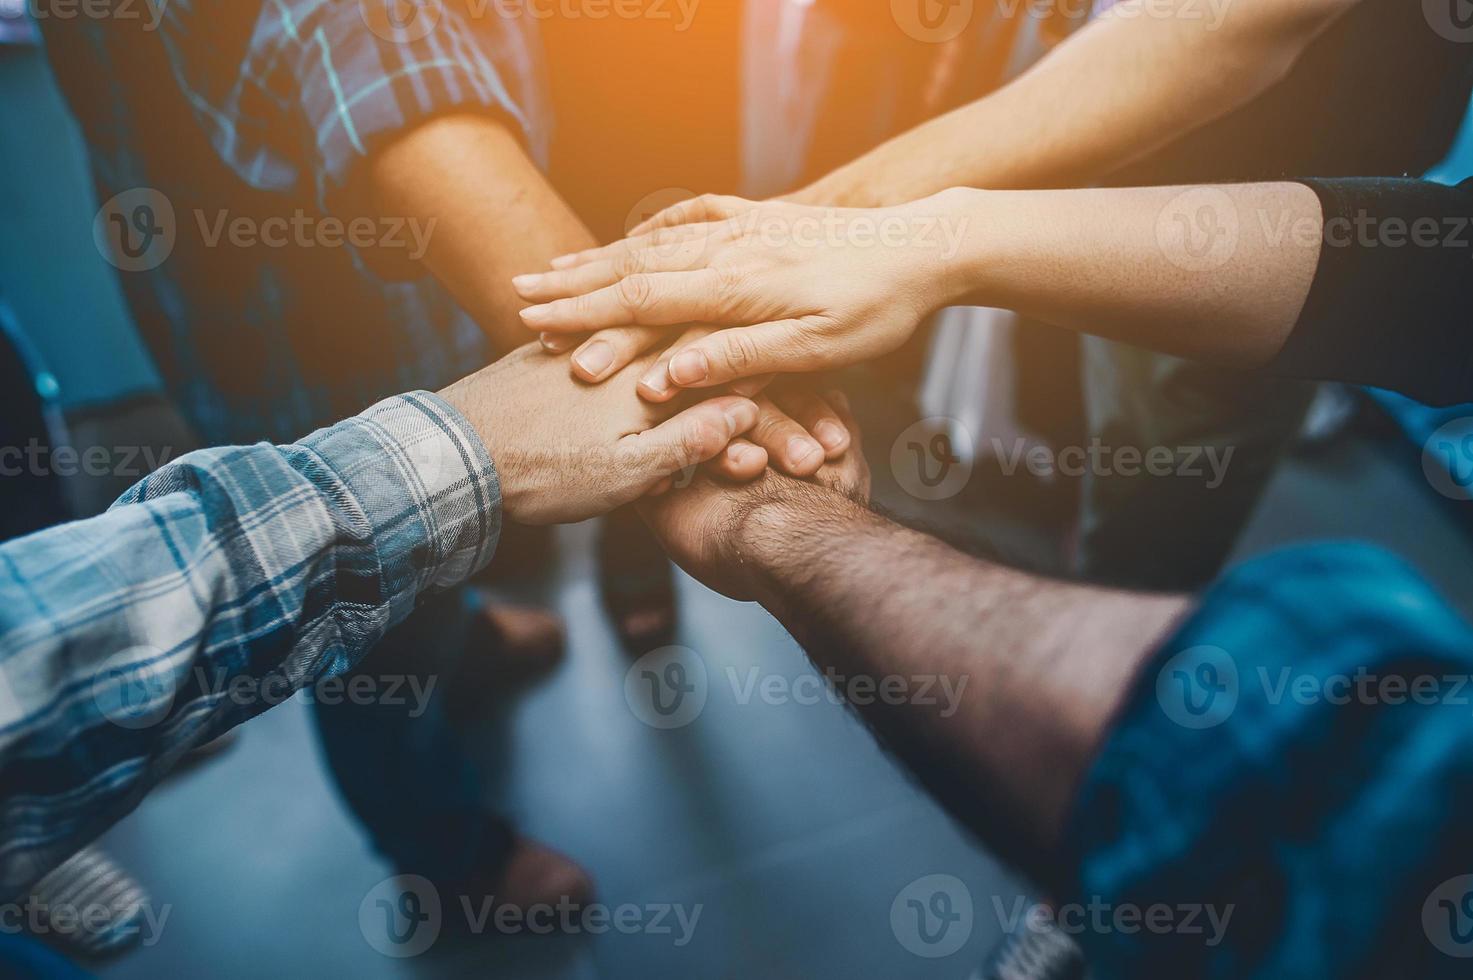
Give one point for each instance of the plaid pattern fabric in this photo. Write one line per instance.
(1250, 771)
(212, 590)
(263, 110)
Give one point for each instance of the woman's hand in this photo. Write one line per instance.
(806, 288)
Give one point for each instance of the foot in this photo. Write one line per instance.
(507, 646)
(545, 887)
(636, 583)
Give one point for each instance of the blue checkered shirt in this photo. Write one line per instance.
(213, 589)
(263, 110)
(1299, 759)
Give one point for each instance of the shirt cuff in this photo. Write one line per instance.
(426, 488)
(364, 77)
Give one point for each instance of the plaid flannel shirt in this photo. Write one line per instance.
(263, 110)
(213, 589)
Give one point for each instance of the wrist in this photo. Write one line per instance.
(785, 537)
(964, 230)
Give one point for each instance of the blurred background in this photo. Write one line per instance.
(782, 823)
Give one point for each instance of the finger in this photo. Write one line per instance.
(789, 446)
(695, 435)
(706, 207)
(609, 351)
(741, 461)
(661, 239)
(626, 260)
(817, 416)
(840, 403)
(746, 387)
(560, 343)
(654, 385)
(647, 299)
(742, 352)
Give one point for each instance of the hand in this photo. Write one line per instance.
(711, 528)
(565, 451)
(810, 288)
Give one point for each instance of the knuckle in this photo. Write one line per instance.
(740, 352)
(701, 439)
(633, 292)
(630, 262)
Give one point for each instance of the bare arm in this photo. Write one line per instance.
(1136, 79)
(494, 214)
(1038, 667)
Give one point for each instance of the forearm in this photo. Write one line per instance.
(494, 214)
(1129, 83)
(1037, 667)
(214, 589)
(1218, 274)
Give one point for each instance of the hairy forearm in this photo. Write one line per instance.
(1218, 274)
(495, 216)
(1133, 81)
(1038, 666)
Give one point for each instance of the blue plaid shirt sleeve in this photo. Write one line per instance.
(211, 590)
(1292, 782)
(310, 87)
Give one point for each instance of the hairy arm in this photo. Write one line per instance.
(1039, 666)
(1133, 81)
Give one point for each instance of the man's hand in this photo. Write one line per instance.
(565, 451)
(708, 526)
(809, 288)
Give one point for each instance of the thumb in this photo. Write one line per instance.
(694, 436)
(729, 355)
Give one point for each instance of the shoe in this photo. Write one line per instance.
(547, 889)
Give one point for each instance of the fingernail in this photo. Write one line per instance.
(740, 416)
(656, 381)
(800, 450)
(528, 281)
(747, 387)
(563, 261)
(595, 358)
(536, 314)
(739, 453)
(555, 342)
(688, 367)
(829, 433)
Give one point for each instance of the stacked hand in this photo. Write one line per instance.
(805, 288)
(566, 451)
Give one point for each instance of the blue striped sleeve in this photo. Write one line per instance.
(127, 639)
